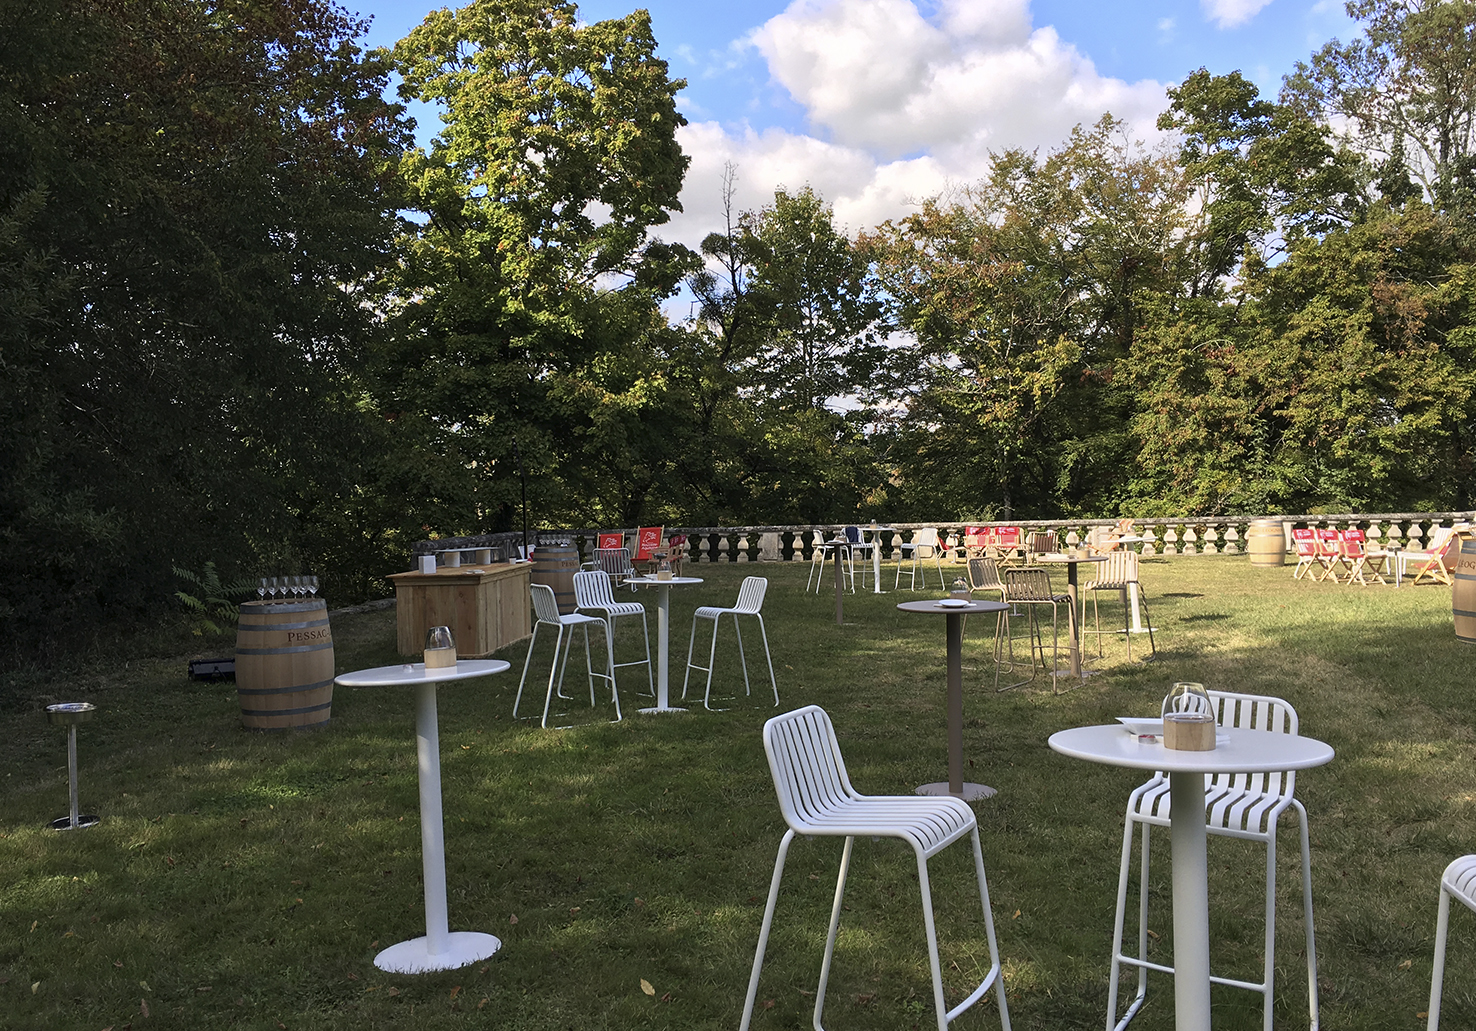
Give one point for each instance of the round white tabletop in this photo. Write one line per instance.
(440, 948)
(1246, 751)
(412, 673)
(663, 635)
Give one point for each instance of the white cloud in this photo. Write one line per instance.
(1227, 14)
(901, 106)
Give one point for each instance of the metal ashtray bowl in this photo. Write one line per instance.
(66, 714)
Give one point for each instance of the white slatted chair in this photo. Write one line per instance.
(924, 545)
(750, 603)
(1240, 805)
(817, 800)
(1119, 573)
(1458, 882)
(592, 593)
(546, 613)
(615, 563)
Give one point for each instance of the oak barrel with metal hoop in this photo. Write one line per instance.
(1463, 594)
(555, 566)
(1266, 543)
(284, 664)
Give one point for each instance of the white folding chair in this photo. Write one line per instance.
(817, 800)
(1458, 882)
(924, 545)
(1237, 805)
(592, 593)
(546, 613)
(750, 603)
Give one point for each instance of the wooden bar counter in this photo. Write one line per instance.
(486, 607)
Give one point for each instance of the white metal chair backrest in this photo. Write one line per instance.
(751, 594)
(805, 760)
(927, 537)
(1253, 712)
(984, 575)
(614, 560)
(592, 590)
(545, 605)
(1028, 585)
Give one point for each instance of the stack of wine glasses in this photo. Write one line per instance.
(269, 587)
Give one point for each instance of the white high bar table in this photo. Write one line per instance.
(1246, 751)
(663, 635)
(441, 948)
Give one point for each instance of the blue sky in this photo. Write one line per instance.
(877, 103)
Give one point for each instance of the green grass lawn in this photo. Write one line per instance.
(244, 880)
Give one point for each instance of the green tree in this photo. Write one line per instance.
(1022, 296)
(1407, 91)
(192, 198)
(522, 308)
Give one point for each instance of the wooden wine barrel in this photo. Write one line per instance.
(1266, 543)
(1463, 593)
(555, 565)
(284, 664)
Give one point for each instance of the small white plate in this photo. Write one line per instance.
(1143, 725)
(954, 603)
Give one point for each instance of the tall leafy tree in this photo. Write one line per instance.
(520, 309)
(192, 196)
(1406, 89)
(1022, 295)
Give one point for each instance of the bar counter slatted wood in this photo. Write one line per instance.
(486, 607)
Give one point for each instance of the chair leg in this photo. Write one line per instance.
(835, 912)
(1269, 977)
(1313, 1008)
(742, 661)
(996, 967)
(763, 940)
(711, 662)
(764, 634)
(1148, 620)
(526, 662)
(1437, 975)
(552, 670)
(1118, 924)
(691, 640)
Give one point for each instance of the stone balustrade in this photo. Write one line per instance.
(1219, 535)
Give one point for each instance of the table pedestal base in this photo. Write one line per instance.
(969, 792)
(661, 708)
(414, 956)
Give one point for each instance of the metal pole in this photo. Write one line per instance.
(523, 479)
(840, 613)
(72, 769)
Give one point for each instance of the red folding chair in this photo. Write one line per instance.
(1006, 542)
(1329, 554)
(611, 540)
(648, 541)
(1356, 557)
(1306, 544)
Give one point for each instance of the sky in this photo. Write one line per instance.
(877, 104)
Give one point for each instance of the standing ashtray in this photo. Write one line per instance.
(69, 714)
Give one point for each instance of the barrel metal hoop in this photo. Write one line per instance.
(286, 712)
(281, 626)
(285, 651)
(292, 689)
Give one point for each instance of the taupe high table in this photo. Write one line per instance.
(1246, 751)
(1071, 562)
(441, 948)
(955, 785)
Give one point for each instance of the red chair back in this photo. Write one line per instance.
(1007, 536)
(1306, 542)
(648, 539)
(1327, 543)
(1353, 541)
(611, 540)
(976, 536)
